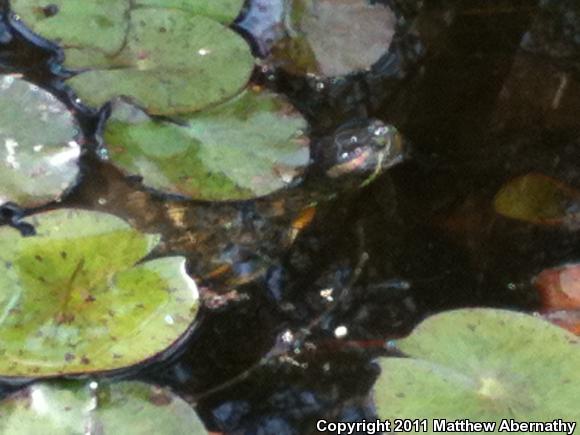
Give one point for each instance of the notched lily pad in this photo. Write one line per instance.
(38, 149)
(73, 301)
(334, 37)
(248, 147)
(71, 408)
(539, 199)
(172, 62)
(483, 364)
(168, 59)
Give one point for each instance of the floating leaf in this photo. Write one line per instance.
(38, 152)
(538, 199)
(334, 37)
(73, 301)
(168, 60)
(559, 287)
(483, 364)
(99, 25)
(71, 408)
(224, 11)
(248, 147)
(172, 62)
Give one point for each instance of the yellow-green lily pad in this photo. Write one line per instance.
(224, 11)
(484, 365)
(38, 150)
(250, 146)
(74, 299)
(73, 408)
(538, 199)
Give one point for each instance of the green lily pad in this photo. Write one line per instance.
(167, 59)
(38, 152)
(224, 11)
(72, 408)
(538, 199)
(248, 147)
(73, 301)
(485, 365)
(99, 25)
(331, 38)
(172, 62)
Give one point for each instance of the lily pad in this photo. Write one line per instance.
(72, 408)
(334, 37)
(99, 25)
(173, 62)
(73, 300)
(539, 199)
(483, 364)
(248, 147)
(224, 11)
(38, 152)
(168, 60)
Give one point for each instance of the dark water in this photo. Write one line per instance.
(484, 91)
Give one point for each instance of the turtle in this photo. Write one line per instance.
(231, 243)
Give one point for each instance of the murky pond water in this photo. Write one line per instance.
(484, 92)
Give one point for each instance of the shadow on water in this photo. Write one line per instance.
(477, 110)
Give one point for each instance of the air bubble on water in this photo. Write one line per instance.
(341, 331)
(203, 51)
(37, 148)
(353, 139)
(93, 385)
(287, 336)
(103, 153)
(102, 201)
(319, 86)
(78, 100)
(169, 320)
(327, 294)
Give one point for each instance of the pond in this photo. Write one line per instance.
(306, 280)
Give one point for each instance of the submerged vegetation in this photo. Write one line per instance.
(242, 217)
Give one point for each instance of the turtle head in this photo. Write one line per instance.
(360, 153)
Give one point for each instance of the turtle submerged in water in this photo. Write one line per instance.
(232, 243)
